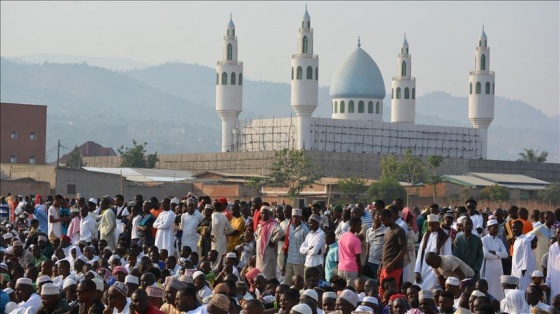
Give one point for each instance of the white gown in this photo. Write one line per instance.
(220, 228)
(523, 259)
(491, 269)
(429, 279)
(189, 224)
(165, 234)
(553, 269)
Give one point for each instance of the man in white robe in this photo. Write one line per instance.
(494, 250)
(543, 234)
(553, 266)
(268, 234)
(221, 228)
(189, 223)
(165, 235)
(523, 260)
(107, 224)
(432, 239)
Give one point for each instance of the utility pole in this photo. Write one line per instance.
(58, 154)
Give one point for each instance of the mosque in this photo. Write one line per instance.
(357, 91)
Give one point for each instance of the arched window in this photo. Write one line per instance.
(308, 24)
(370, 107)
(240, 79)
(413, 93)
(217, 79)
(342, 106)
(470, 88)
(292, 73)
(316, 73)
(304, 45)
(224, 78)
(335, 109)
(406, 93)
(232, 78)
(351, 106)
(478, 87)
(361, 106)
(403, 68)
(493, 89)
(299, 73)
(487, 89)
(377, 108)
(309, 73)
(229, 52)
(398, 93)
(483, 62)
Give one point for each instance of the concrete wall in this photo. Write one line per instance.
(24, 186)
(36, 172)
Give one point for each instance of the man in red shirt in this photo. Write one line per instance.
(257, 204)
(349, 251)
(140, 304)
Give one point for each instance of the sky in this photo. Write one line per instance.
(523, 38)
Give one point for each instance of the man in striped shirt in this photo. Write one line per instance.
(294, 260)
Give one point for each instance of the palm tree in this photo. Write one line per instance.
(532, 155)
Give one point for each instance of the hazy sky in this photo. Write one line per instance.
(523, 38)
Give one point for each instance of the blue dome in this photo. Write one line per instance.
(358, 77)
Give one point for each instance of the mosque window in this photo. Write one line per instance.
(217, 79)
(224, 78)
(342, 106)
(309, 73)
(480, 43)
(483, 62)
(304, 45)
(485, 43)
(299, 73)
(351, 106)
(398, 93)
(403, 68)
(487, 89)
(316, 73)
(361, 106)
(377, 108)
(406, 93)
(413, 93)
(478, 87)
(240, 79)
(292, 73)
(233, 78)
(493, 89)
(370, 107)
(308, 24)
(392, 93)
(470, 88)
(335, 110)
(229, 52)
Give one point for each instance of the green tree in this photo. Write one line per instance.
(495, 193)
(135, 157)
(389, 167)
(411, 168)
(293, 170)
(434, 179)
(352, 187)
(387, 189)
(550, 194)
(531, 155)
(75, 160)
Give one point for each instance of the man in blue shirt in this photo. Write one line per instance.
(4, 209)
(331, 259)
(42, 216)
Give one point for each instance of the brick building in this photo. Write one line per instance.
(23, 133)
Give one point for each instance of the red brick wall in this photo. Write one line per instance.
(23, 119)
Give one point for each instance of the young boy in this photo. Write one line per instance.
(247, 249)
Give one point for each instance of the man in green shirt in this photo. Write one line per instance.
(38, 258)
(468, 248)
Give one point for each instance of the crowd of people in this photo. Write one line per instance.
(198, 255)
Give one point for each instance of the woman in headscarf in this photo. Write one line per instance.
(268, 234)
(411, 238)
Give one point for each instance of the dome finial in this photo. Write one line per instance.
(359, 42)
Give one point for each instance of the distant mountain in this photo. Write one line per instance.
(119, 64)
(171, 106)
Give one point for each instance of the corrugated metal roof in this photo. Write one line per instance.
(508, 178)
(467, 180)
(146, 174)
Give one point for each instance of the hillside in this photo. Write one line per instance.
(171, 106)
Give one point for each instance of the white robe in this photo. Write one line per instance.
(220, 229)
(267, 262)
(523, 259)
(543, 235)
(189, 224)
(165, 235)
(491, 269)
(107, 227)
(553, 269)
(429, 279)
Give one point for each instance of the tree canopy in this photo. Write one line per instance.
(495, 193)
(352, 187)
(532, 155)
(135, 157)
(550, 195)
(75, 160)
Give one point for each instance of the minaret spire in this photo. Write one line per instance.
(403, 95)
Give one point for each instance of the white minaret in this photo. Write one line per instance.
(481, 92)
(305, 83)
(403, 96)
(229, 89)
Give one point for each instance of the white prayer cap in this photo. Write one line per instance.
(24, 281)
(537, 273)
(312, 294)
(99, 285)
(302, 309)
(231, 255)
(186, 278)
(370, 300)
(43, 279)
(433, 218)
(509, 280)
(425, 294)
(68, 282)
(461, 219)
(296, 212)
(131, 279)
(269, 299)
(93, 200)
(114, 257)
(477, 293)
(175, 201)
(453, 281)
(363, 308)
(329, 295)
(491, 222)
(50, 289)
(349, 296)
(197, 273)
